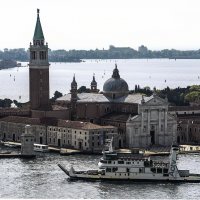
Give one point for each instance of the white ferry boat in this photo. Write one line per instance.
(41, 147)
(134, 167)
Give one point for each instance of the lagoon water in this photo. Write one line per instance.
(145, 72)
(42, 178)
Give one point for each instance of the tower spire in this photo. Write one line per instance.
(38, 34)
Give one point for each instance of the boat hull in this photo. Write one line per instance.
(193, 178)
(135, 180)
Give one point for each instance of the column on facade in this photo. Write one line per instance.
(187, 132)
(148, 123)
(159, 125)
(85, 111)
(165, 132)
(142, 126)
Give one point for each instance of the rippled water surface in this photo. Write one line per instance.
(145, 72)
(42, 178)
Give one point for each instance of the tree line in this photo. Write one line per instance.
(112, 52)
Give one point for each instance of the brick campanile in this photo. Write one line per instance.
(39, 70)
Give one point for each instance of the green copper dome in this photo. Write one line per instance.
(38, 34)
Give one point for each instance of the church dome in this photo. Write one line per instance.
(115, 86)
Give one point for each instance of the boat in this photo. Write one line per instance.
(11, 144)
(41, 148)
(134, 167)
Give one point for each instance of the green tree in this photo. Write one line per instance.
(193, 96)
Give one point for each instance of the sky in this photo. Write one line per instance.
(91, 24)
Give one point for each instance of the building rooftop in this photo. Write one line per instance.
(117, 117)
(115, 84)
(57, 107)
(100, 98)
(81, 125)
(22, 120)
(183, 108)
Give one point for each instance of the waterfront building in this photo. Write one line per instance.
(84, 136)
(94, 107)
(12, 127)
(189, 131)
(153, 125)
(115, 106)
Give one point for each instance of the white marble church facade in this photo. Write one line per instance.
(152, 126)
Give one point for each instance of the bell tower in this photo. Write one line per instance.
(39, 70)
(94, 85)
(74, 98)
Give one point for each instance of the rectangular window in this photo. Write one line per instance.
(108, 169)
(114, 169)
(120, 162)
(159, 170)
(153, 170)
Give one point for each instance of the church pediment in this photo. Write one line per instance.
(156, 101)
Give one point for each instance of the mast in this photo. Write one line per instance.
(173, 170)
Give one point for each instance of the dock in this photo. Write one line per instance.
(66, 152)
(14, 155)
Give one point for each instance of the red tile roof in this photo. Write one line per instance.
(81, 125)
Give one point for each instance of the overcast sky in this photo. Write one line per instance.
(90, 24)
